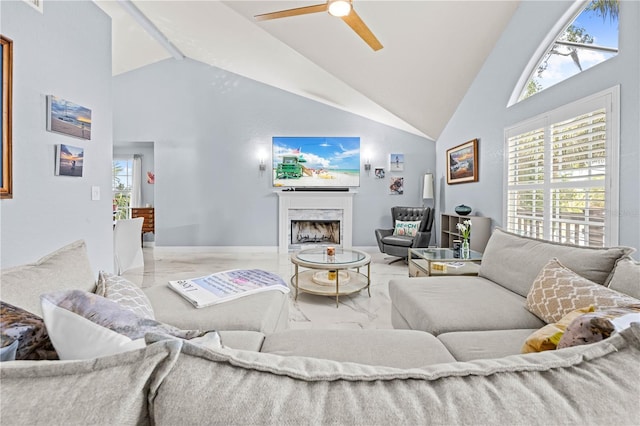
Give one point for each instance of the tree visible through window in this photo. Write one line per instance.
(122, 187)
(591, 38)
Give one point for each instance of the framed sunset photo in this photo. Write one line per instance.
(462, 163)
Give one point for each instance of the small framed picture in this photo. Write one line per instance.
(69, 160)
(462, 163)
(68, 118)
(396, 162)
(396, 186)
(379, 172)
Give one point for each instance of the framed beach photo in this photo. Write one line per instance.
(68, 118)
(462, 163)
(6, 67)
(396, 162)
(69, 160)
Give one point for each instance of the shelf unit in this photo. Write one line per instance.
(480, 230)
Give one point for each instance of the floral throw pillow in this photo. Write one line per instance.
(406, 228)
(596, 326)
(18, 325)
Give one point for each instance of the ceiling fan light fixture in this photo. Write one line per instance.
(339, 8)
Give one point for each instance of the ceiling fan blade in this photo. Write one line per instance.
(292, 12)
(358, 25)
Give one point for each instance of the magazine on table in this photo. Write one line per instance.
(227, 285)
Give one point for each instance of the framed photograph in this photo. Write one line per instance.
(396, 162)
(396, 186)
(462, 163)
(68, 118)
(379, 172)
(69, 160)
(6, 166)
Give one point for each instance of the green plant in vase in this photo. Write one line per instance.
(465, 232)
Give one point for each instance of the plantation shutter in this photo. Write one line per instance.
(561, 174)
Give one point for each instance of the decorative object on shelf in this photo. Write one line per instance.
(462, 163)
(463, 210)
(68, 118)
(396, 162)
(456, 248)
(465, 232)
(6, 75)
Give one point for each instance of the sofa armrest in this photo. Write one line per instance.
(422, 239)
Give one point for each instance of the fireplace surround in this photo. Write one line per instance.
(315, 206)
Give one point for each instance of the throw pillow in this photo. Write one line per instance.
(547, 337)
(557, 290)
(599, 325)
(124, 293)
(406, 228)
(626, 277)
(28, 331)
(8, 353)
(84, 325)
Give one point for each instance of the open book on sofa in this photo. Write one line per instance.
(227, 285)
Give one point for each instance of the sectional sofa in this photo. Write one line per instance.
(264, 374)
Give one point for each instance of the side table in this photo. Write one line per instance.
(426, 262)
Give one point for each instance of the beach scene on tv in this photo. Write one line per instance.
(316, 161)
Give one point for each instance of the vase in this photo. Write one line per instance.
(465, 250)
(463, 210)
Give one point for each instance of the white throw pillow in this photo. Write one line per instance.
(84, 325)
(124, 293)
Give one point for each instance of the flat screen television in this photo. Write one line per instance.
(308, 162)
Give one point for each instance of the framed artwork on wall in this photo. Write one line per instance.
(68, 118)
(379, 172)
(6, 165)
(69, 160)
(462, 163)
(396, 162)
(396, 185)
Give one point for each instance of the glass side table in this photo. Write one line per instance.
(427, 262)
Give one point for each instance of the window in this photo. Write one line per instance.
(122, 187)
(561, 173)
(586, 36)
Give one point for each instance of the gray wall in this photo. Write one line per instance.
(484, 114)
(208, 126)
(65, 52)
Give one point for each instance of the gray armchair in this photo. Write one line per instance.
(398, 245)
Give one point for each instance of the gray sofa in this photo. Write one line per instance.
(485, 316)
(268, 375)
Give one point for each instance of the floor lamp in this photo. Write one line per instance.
(427, 187)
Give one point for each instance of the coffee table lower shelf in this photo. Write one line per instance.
(304, 281)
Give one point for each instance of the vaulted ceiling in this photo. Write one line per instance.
(432, 50)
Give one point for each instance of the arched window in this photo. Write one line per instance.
(586, 36)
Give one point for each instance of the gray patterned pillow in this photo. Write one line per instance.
(124, 293)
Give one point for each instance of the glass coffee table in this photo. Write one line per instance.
(426, 262)
(337, 275)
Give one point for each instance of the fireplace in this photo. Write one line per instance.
(320, 208)
(305, 232)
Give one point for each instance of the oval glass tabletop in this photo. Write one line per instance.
(319, 256)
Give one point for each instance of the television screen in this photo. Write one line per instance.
(316, 161)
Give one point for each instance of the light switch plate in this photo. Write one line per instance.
(95, 193)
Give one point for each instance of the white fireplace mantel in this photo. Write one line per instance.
(314, 200)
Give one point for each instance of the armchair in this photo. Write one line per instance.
(398, 245)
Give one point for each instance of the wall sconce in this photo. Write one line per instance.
(262, 166)
(367, 162)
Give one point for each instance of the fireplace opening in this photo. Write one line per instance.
(315, 231)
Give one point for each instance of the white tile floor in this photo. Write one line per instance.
(309, 311)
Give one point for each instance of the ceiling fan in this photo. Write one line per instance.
(342, 9)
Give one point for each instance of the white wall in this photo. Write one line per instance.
(208, 126)
(484, 114)
(65, 52)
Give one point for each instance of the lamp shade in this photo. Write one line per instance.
(427, 188)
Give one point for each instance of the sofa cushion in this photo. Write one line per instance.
(240, 339)
(557, 290)
(547, 338)
(66, 268)
(124, 293)
(28, 331)
(458, 303)
(114, 390)
(626, 277)
(538, 388)
(84, 325)
(266, 312)
(599, 325)
(514, 261)
(393, 348)
(471, 345)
